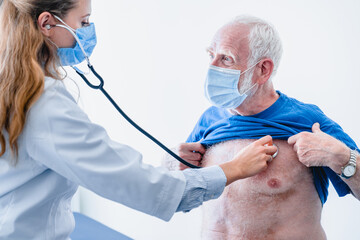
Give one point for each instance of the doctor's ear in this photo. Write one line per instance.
(264, 70)
(45, 22)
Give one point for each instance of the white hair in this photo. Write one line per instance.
(264, 41)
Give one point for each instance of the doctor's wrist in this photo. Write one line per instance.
(231, 172)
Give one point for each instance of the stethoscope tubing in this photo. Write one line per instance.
(100, 87)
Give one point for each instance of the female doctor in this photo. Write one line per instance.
(49, 146)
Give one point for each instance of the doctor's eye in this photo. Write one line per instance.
(85, 24)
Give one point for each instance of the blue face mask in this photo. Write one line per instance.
(85, 43)
(221, 87)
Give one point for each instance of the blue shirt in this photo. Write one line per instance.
(60, 149)
(286, 117)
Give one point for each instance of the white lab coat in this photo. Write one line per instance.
(60, 149)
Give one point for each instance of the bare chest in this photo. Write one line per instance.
(283, 174)
(263, 203)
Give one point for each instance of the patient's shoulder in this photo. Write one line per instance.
(309, 110)
(208, 117)
(214, 114)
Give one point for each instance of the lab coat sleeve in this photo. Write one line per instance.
(60, 136)
(202, 185)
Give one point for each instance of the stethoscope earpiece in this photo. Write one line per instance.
(48, 27)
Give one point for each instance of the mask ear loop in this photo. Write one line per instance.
(66, 74)
(81, 47)
(251, 67)
(247, 71)
(73, 32)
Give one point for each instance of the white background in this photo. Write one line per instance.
(152, 57)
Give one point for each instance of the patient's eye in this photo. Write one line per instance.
(228, 60)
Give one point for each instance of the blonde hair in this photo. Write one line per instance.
(26, 57)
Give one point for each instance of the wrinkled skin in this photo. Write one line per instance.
(320, 149)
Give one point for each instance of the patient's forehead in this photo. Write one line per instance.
(232, 38)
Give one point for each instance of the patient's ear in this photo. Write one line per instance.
(264, 70)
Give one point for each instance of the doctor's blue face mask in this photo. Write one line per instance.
(221, 87)
(85, 43)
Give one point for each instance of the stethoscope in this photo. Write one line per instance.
(100, 87)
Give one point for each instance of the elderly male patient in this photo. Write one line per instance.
(284, 201)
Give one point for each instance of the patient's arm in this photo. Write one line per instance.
(321, 149)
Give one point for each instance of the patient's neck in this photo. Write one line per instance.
(262, 99)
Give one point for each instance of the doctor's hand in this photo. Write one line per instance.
(250, 160)
(320, 149)
(191, 152)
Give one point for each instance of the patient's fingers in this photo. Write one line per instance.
(293, 139)
(316, 128)
(191, 147)
(191, 152)
(198, 147)
(191, 156)
(183, 167)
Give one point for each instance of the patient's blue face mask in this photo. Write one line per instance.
(85, 43)
(221, 87)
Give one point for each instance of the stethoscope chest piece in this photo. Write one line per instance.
(276, 153)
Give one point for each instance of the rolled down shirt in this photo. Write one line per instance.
(286, 117)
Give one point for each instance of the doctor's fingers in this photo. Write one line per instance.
(271, 150)
(267, 140)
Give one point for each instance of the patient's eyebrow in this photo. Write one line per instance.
(224, 52)
(227, 53)
(209, 49)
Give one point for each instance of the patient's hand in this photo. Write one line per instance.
(191, 152)
(320, 149)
